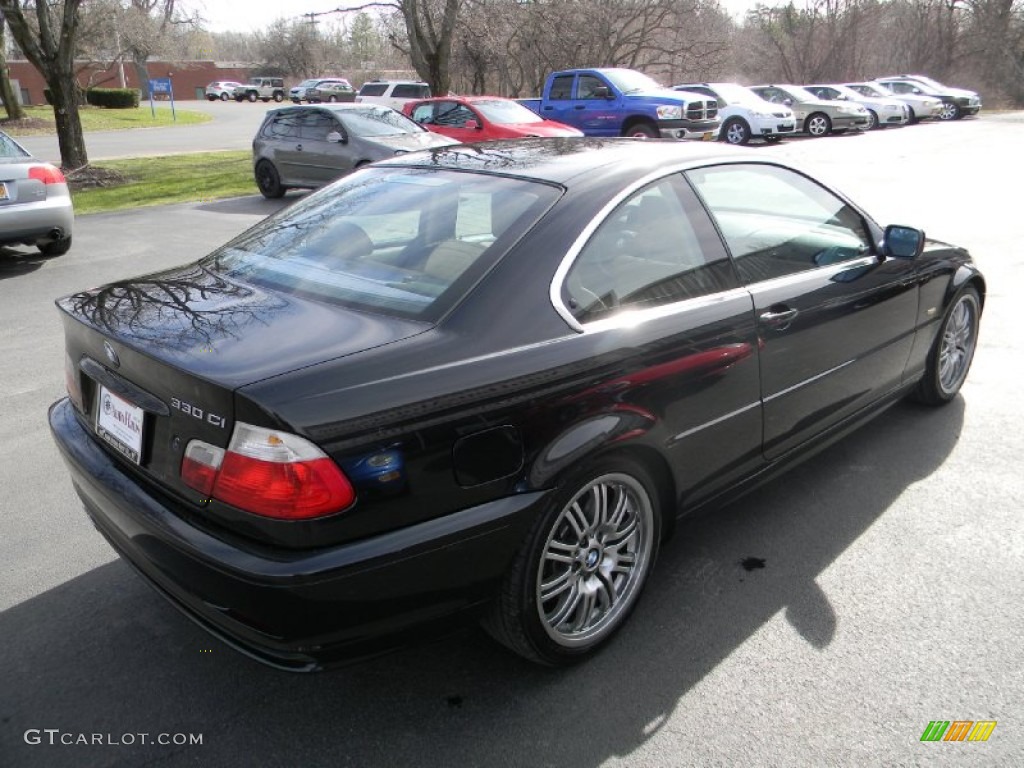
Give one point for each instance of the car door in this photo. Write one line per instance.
(323, 161)
(595, 113)
(835, 319)
(450, 118)
(559, 102)
(655, 283)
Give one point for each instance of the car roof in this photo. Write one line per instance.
(563, 159)
(339, 107)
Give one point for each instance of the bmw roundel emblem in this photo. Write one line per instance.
(111, 354)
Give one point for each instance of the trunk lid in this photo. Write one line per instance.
(157, 359)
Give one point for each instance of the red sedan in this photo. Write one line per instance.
(482, 118)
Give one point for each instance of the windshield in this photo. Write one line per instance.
(866, 89)
(628, 81)
(929, 82)
(731, 93)
(377, 121)
(506, 112)
(404, 241)
(800, 94)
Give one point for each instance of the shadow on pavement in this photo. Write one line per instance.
(103, 654)
(14, 263)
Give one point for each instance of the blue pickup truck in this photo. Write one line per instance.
(623, 102)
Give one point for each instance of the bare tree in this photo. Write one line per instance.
(48, 40)
(10, 99)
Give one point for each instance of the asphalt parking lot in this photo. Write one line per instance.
(890, 593)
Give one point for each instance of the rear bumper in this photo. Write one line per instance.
(298, 610)
(33, 221)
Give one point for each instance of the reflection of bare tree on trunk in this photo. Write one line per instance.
(178, 309)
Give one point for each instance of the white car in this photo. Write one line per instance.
(744, 114)
(392, 93)
(221, 89)
(35, 204)
(919, 106)
(883, 110)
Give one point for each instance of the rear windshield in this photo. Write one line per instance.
(407, 242)
(9, 149)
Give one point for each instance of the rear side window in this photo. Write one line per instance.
(408, 242)
(658, 247)
(411, 91)
(373, 89)
(777, 222)
(283, 126)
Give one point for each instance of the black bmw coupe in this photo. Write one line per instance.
(483, 383)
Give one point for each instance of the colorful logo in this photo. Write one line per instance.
(958, 730)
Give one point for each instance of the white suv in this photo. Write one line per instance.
(392, 93)
(744, 114)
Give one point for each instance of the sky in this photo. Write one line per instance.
(252, 15)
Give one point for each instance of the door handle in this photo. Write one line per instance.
(779, 317)
(298, 147)
(580, 106)
(547, 109)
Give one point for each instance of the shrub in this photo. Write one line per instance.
(113, 98)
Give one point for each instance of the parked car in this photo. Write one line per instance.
(744, 114)
(813, 115)
(335, 90)
(221, 89)
(392, 93)
(35, 204)
(919, 106)
(624, 102)
(308, 90)
(308, 147)
(482, 118)
(956, 102)
(882, 112)
(261, 88)
(545, 351)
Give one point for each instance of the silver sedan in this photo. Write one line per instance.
(35, 204)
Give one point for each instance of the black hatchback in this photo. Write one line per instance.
(482, 383)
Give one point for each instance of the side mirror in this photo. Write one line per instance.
(917, 91)
(788, 102)
(336, 138)
(902, 242)
(603, 92)
(472, 125)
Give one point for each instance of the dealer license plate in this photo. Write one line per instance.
(119, 424)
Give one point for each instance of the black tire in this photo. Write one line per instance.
(264, 99)
(911, 115)
(818, 124)
(278, 96)
(332, 98)
(211, 97)
(953, 350)
(223, 97)
(641, 131)
(735, 132)
(239, 99)
(873, 122)
(54, 247)
(591, 550)
(269, 180)
(252, 96)
(950, 111)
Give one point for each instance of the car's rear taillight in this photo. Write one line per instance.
(268, 472)
(47, 174)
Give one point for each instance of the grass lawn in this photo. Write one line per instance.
(100, 119)
(171, 179)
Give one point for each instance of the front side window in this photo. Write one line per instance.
(407, 242)
(657, 247)
(410, 91)
(778, 222)
(588, 85)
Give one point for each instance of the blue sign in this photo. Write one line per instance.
(160, 85)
